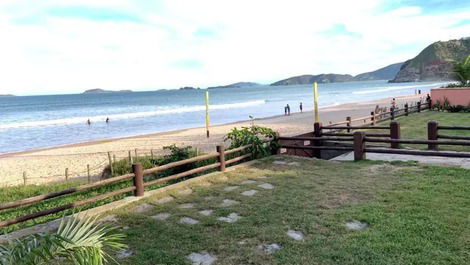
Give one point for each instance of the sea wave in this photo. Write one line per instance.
(129, 115)
(391, 88)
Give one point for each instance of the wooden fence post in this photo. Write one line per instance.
(136, 153)
(432, 134)
(392, 113)
(276, 138)
(419, 106)
(110, 164)
(359, 146)
(348, 119)
(25, 178)
(151, 153)
(138, 179)
(372, 117)
(317, 132)
(221, 151)
(406, 109)
(88, 173)
(130, 156)
(395, 133)
(66, 174)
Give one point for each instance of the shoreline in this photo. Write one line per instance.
(49, 164)
(111, 139)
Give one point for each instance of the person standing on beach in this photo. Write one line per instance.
(288, 109)
(88, 122)
(285, 110)
(107, 119)
(301, 108)
(393, 103)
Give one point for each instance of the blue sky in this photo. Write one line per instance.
(67, 46)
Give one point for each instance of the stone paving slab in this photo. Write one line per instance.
(249, 181)
(206, 212)
(202, 258)
(231, 218)
(228, 202)
(186, 206)
(144, 207)
(188, 221)
(266, 186)
(231, 188)
(296, 235)
(249, 193)
(161, 216)
(164, 199)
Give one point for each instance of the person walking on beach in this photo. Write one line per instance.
(288, 109)
(393, 103)
(107, 119)
(301, 108)
(285, 110)
(88, 122)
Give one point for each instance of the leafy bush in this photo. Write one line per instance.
(123, 166)
(255, 136)
(456, 108)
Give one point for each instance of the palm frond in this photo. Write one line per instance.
(81, 241)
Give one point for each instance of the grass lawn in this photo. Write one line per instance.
(417, 215)
(415, 125)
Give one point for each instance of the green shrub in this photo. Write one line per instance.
(255, 136)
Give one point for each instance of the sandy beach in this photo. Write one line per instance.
(49, 165)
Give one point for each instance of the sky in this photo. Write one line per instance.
(68, 46)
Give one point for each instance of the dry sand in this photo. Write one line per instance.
(48, 165)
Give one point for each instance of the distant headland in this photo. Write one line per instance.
(99, 90)
(189, 88)
(236, 85)
(6, 95)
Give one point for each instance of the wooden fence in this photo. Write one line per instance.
(358, 141)
(139, 184)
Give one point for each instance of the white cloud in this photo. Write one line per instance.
(260, 41)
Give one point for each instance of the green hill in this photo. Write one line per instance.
(435, 62)
(385, 73)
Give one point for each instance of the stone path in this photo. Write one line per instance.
(204, 257)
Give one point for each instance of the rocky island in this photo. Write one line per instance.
(236, 85)
(99, 91)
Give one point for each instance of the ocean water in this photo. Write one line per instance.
(32, 122)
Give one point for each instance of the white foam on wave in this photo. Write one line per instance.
(392, 88)
(131, 115)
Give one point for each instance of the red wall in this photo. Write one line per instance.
(456, 96)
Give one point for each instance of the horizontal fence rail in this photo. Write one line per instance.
(139, 184)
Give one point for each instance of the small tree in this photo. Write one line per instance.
(462, 71)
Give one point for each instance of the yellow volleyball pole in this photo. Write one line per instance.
(315, 100)
(207, 113)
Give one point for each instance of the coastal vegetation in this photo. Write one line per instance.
(77, 241)
(414, 214)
